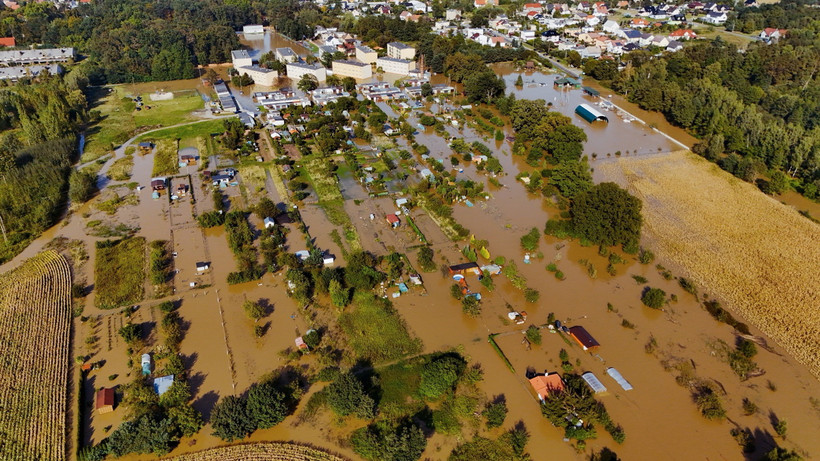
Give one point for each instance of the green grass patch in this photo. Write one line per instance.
(399, 384)
(166, 161)
(119, 272)
(120, 170)
(192, 130)
(375, 331)
(491, 340)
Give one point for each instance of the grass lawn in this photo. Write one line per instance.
(166, 161)
(119, 272)
(375, 330)
(120, 170)
(399, 384)
(323, 181)
(194, 130)
(120, 120)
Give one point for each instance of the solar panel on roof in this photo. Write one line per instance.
(616, 375)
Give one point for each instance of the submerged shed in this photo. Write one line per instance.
(591, 91)
(616, 375)
(590, 114)
(582, 337)
(593, 382)
(104, 400)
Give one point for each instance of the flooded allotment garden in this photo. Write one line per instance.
(213, 223)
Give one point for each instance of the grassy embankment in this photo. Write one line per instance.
(119, 272)
(744, 248)
(317, 171)
(120, 119)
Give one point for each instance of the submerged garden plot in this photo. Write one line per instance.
(35, 317)
(119, 272)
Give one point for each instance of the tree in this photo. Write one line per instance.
(145, 435)
(426, 90)
(266, 405)
(81, 186)
(439, 376)
(571, 178)
(231, 420)
(782, 454)
(253, 309)
(308, 83)
(333, 80)
(346, 396)
(131, 333)
(653, 297)
(483, 86)
(519, 82)
(534, 334)
(384, 440)
(425, 259)
(349, 84)
(607, 215)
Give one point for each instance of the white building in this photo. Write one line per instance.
(260, 76)
(399, 50)
(297, 69)
(253, 29)
(241, 58)
(353, 69)
(44, 56)
(15, 73)
(396, 66)
(366, 54)
(452, 15)
(286, 55)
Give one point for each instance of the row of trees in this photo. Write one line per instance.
(763, 104)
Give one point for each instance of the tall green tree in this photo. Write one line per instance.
(607, 215)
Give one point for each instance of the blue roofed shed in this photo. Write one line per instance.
(590, 114)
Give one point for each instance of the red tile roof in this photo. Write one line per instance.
(7, 41)
(544, 385)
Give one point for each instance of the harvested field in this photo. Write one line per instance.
(756, 255)
(119, 271)
(263, 451)
(35, 318)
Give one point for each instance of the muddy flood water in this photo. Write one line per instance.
(661, 421)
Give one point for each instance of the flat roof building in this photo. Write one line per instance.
(241, 58)
(366, 54)
(353, 69)
(297, 69)
(286, 55)
(252, 29)
(399, 50)
(396, 66)
(260, 75)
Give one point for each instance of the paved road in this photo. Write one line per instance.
(554, 62)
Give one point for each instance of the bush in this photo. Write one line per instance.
(425, 259)
(471, 306)
(266, 405)
(646, 256)
(653, 297)
(531, 240)
(534, 334)
(81, 186)
(382, 440)
(709, 403)
(495, 414)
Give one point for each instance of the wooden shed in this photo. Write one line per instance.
(104, 400)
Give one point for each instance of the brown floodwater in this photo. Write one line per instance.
(660, 419)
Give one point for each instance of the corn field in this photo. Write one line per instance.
(758, 257)
(35, 319)
(263, 451)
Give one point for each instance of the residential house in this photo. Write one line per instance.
(15, 73)
(38, 56)
(483, 3)
(674, 45)
(8, 42)
(770, 34)
(452, 15)
(393, 220)
(715, 18)
(546, 383)
(611, 27)
(683, 34)
(639, 23)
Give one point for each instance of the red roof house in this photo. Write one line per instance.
(546, 384)
(7, 41)
(393, 220)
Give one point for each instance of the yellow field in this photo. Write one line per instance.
(263, 451)
(756, 255)
(35, 318)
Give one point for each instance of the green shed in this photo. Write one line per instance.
(590, 114)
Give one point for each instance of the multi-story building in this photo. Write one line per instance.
(396, 66)
(286, 55)
(399, 50)
(241, 58)
(366, 54)
(297, 69)
(353, 69)
(260, 76)
(43, 56)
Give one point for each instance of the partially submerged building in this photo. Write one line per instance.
(104, 400)
(582, 337)
(590, 114)
(547, 383)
